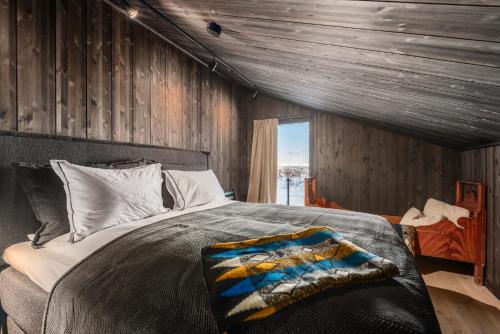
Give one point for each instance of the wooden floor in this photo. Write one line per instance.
(461, 306)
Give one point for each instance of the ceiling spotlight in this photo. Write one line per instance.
(214, 29)
(255, 94)
(213, 65)
(132, 12)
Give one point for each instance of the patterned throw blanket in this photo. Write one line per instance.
(252, 279)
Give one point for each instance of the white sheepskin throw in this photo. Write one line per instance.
(411, 214)
(415, 217)
(451, 212)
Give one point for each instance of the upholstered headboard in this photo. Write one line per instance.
(16, 217)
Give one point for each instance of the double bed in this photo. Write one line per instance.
(146, 276)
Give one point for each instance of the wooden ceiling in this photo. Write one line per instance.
(430, 68)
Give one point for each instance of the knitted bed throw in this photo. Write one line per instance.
(253, 279)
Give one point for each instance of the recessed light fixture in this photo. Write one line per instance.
(214, 29)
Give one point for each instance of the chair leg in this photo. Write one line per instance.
(478, 274)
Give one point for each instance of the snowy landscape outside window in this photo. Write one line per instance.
(293, 161)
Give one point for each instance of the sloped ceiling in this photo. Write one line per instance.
(430, 68)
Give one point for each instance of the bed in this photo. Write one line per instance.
(443, 239)
(146, 276)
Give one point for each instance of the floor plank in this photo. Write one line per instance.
(461, 306)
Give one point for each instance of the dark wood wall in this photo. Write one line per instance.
(483, 165)
(80, 68)
(366, 168)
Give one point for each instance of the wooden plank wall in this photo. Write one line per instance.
(483, 165)
(8, 60)
(35, 66)
(378, 171)
(366, 168)
(79, 68)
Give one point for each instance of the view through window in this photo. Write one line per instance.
(293, 161)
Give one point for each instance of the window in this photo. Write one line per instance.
(293, 162)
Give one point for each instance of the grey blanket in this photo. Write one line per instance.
(151, 280)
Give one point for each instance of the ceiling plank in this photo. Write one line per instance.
(457, 87)
(483, 111)
(440, 48)
(431, 67)
(463, 22)
(403, 106)
(328, 71)
(408, 126)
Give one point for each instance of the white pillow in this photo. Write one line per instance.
(451, 212)
(100, 198)
(191, 189)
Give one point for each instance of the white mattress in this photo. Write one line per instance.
(46, 265)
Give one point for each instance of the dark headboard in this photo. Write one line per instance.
(16, 217)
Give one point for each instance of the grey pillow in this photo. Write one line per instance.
(46, 195)
(168, 200)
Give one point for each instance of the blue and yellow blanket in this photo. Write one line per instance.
(252, 279)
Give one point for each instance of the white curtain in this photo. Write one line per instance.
(264, 162)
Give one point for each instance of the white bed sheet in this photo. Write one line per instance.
(46, 265)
